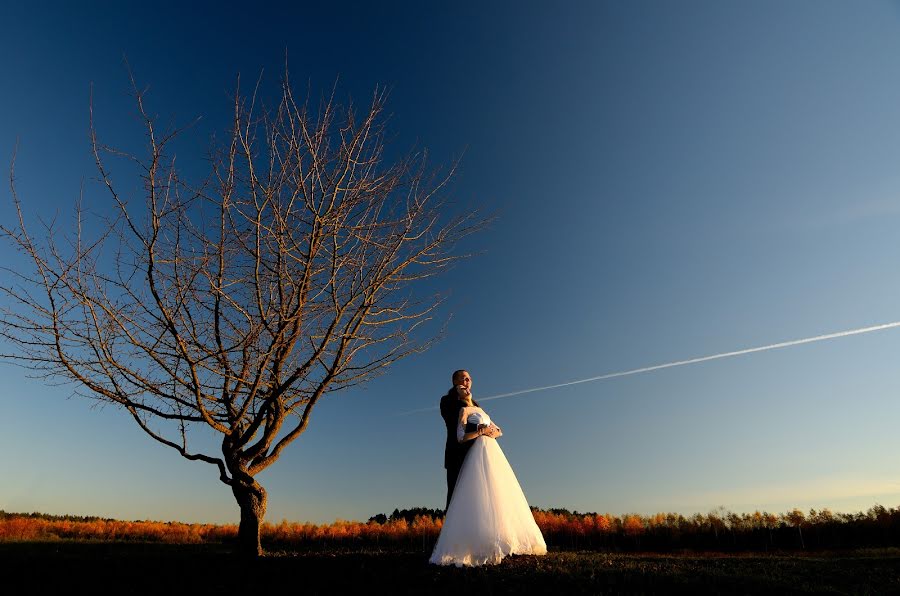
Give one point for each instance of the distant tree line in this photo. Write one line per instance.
(409, 515)
(48, 517)
(417, 529)
(721, 530)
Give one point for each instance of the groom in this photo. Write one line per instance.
(454, 451)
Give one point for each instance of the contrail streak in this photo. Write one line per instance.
(625, 373)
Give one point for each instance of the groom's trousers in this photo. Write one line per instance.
(452, 475)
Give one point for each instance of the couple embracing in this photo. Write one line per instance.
(487, 516)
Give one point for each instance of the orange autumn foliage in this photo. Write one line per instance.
(633, 525)
(561, 529)
(21, 528)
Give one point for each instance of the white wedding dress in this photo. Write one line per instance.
(488, 517)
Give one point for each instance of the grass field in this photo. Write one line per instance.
(144, 568)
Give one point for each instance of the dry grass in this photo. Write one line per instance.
(145, 568)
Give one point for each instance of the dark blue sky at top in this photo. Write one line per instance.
(672, 179)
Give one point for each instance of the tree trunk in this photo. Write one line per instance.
(252, 499)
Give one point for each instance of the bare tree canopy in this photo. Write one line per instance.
(237, 303)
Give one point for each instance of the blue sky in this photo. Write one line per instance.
(673, 180)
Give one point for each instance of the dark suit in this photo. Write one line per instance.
(454, 451)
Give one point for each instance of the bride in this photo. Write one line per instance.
(488, 517)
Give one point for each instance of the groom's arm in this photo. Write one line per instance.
(448, 411)
(483, 430)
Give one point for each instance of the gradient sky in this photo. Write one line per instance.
(674, 180)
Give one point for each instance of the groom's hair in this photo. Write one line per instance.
(456, 373)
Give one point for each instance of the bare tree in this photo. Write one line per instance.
(236, 304)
